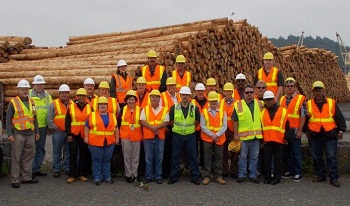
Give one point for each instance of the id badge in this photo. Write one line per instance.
(132, 127)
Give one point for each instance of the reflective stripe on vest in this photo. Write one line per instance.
(136, 115)
(94, 127)
(179, 81)
(23, 117)
(327, 121)
(122, 86)
(147, 76)
(60, 113)
(280, 126)
(157, 122)
(293, 112)
(206, 117)
(166, 98)
(270, 79)
(184, 126)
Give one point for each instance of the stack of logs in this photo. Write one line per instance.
(218, 48)
(13, 45)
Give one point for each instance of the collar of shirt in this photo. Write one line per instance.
(213, 112)
(293, 95)
(229, 101)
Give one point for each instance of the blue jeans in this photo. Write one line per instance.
(187, 142)
(154, 150)
(39, 150)
(101, 161)
(60, 144)
(249, 148)
(292, 153)
(329, 146)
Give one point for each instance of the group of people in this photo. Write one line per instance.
(151, 127)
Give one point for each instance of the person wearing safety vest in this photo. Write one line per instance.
(141, 93)
(210, 86)
(184, 117)
(154, 119)
(131, 135)
(229, 168)
(89, 86)
(181, 76)
(273, 121)
(56, 121)
(240, 80)
(296, 105)
(168, 99)
(75, 120)
(42, 100)
(22, 130)
(271, 75)
(154, 73)
(201, 102)
(247, 129)
(213, 127)
(121, 83)
(101, 134)
(260, 89)
(325, 126)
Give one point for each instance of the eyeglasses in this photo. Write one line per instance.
(249, 92)
(240, 80)
(270, 99)
(261, 87)
(289, 85)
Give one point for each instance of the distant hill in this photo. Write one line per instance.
(311, 42)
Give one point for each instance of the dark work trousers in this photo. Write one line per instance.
(232, 166)
(141, 172)
(166, 166)
(117, 161)
(200, 149)
(273, 151)
(78, 166)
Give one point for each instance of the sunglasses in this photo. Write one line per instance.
(240, 80)
(270, 99)
(289, 86)
(261, 87)
(249, 92)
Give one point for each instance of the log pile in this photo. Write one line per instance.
(218, 48)
(13, 45)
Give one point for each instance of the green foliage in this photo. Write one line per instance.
(310, 42)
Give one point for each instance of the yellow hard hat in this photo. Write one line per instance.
(234, 146)
(170, 81)
(290, 79)
(130, 93)
(155, 92)
(180, 59)
(318, 84)
(268, 55)
(213, 96)
(228, 87)
(102, 100)
(152, 53)
(103, 84)
(211, 82)
(81, 91)
(141, 80)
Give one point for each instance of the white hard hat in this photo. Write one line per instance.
(240, 76)
(64, 88)
(121, 63)
(89, 81)
(185, 90)
(23, 84)
(199, 86)
(38, 79)
(268, 95)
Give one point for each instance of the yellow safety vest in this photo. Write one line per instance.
(41, 107)
(184, 126)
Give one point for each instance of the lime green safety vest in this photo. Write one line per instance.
(41, 107)
(184, 126)
(247, 128)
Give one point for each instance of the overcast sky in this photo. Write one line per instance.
(51, 22)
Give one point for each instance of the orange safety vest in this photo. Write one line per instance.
(98, 132)
(130, 127)
(60, 113)
(167, 101)
(122, 86)
(214, 124)
(145, 101)
(273, 131)
(270, 79)
(113, 106)
(23, 117)
(79, 118)
(153, 119)
(229, 111)
(198, 127)
(87, 100)
(184, 81)
(152, 82)
(321, 119)
(236, 95)
(293, 109)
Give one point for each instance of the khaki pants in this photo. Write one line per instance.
(212, 150)
(131, 153)
(22, 155)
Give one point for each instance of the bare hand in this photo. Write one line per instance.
(86, 140)
(37, 137)
(340, 135)
(299, 134)
(70, 139)
(236, 137)
(10, 138)
(215, 137)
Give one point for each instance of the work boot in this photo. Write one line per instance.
(220, 181)
(71, 180)
(335, 183)
(83, 178)
(206, 181)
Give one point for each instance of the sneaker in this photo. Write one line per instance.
(287, 175)
(110, 181)
(71, 180)
(97, 182)
(220, 181)
(335, 183)
(159, 181)
(206, 181)
(297, 178)
(83, 178)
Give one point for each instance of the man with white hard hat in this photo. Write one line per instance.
(238, 92)
(121, 82)
(22, 129)
(56, 121)
(89, 86)
(184, 117)
(42, 100)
